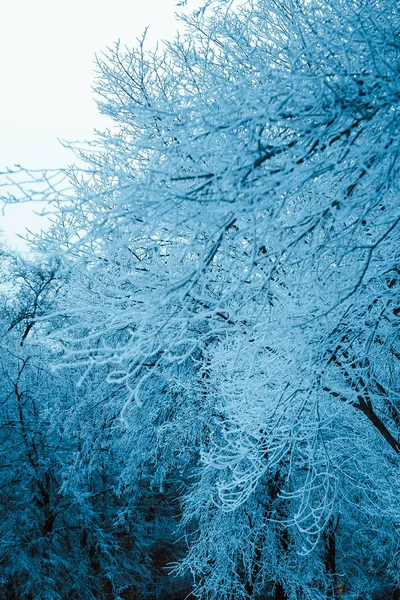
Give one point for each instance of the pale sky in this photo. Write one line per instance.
(47, 50)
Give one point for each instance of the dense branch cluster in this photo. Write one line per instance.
(222, 290)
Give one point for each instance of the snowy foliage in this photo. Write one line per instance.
(230, 270)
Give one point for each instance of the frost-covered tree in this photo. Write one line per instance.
(73, 525)
(233, 247)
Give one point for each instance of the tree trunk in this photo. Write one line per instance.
(280, 593)
(330, 562)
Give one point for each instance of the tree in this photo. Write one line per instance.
(234, 245)
(71, 525)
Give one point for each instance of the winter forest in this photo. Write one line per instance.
(200, 358)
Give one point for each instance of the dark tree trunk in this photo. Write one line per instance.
(280, 593)
(274, 487)
(330, 562)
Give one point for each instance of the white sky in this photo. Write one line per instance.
(47, 50)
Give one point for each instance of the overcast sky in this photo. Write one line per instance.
(47, 50)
